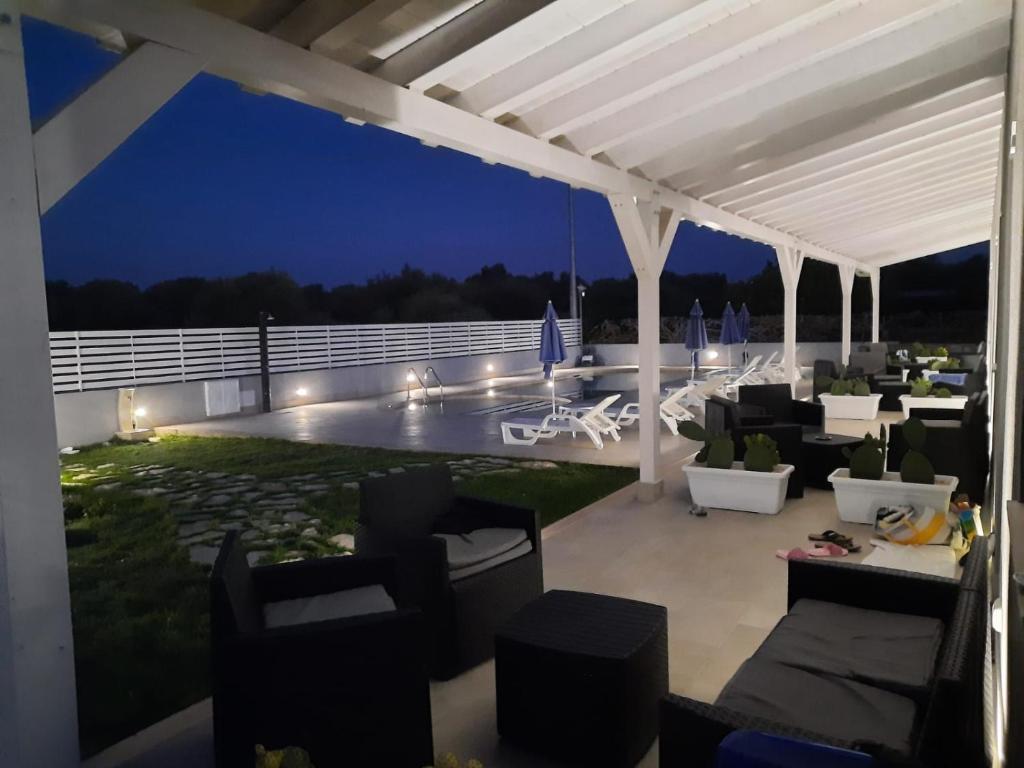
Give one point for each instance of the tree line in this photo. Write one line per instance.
(493, 293)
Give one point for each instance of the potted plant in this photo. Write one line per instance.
(923, 394)
(756, 484)
(848, 398)
(865, 486)
(926, 355)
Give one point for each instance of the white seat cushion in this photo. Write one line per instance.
(333, 605)
(479, 545)
(523, 548)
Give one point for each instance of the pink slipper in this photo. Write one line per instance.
(794, 554)
(828, 549)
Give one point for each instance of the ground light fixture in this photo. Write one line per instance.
(137, 414)
(410, 377)
(490, 393)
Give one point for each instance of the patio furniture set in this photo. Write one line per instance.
(335, 655)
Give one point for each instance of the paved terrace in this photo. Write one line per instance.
(718, 576)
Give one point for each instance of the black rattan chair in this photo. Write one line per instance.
(398, 515)
(342, 689)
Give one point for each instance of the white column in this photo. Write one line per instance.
(647, 231)
(37, 674)
(791, 261)
(847, 274)
(875, 273)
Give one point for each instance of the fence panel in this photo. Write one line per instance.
(91, 360)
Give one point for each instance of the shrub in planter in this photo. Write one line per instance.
(915, 466)
(762, 453)
(867, 462)
(920, 388)
(861, 388)
(289, 757)
(941, 365)
(940, 352)
(941, 392)
(718, 451)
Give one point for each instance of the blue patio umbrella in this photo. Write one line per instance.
(743, 323)
(730, 331)
(696, 336)
(552, 347)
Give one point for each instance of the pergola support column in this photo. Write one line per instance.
(647, 231)
(875, 274)
(847, 274)
(38, 723)
(791, 261)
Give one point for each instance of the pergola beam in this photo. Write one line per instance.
(941, 245)
(331, 42)
(83, 134)
(904, 117)
(310, 20)
(423, 63)
(644, 130)
(254, 58)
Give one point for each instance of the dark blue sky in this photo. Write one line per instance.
(221, 182)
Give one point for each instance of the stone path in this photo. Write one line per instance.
(271, 514)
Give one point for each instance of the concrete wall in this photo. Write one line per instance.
(91, 417)
(678, 354)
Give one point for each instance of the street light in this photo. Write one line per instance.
(581, 289)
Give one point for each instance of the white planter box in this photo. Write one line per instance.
(851, 406)
(954, 403)
(927, 360)
(736, 488)
(858, 500)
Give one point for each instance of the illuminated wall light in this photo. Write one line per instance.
(413, 406)
(410, 377)
(551, 384)
(139, 412)
(490, 393)
(490, 367)
(301, 391)
(712, 354)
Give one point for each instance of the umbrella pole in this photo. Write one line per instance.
(552, 392)
(729, 354)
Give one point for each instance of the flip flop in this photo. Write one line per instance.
(828, 549)
(836, 538)
(793, 554)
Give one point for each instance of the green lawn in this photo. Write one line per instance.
(138, 515)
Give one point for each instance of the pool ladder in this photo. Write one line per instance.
(413, 376)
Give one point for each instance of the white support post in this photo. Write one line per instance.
(875, 273)
(847, 274)
(83, 134)
(37, 673)
(647, 231)
(791, 261)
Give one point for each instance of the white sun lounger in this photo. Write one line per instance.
(593, 423)
(671, 411)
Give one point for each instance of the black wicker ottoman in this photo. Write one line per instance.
(579, 677)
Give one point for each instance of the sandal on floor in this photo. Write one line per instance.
(828, 549)
(836, 538)
(793, 554)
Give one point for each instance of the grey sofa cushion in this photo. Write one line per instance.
(524, 547)
(890, 650)
(334, 605)
(479, 545)
(832, 706)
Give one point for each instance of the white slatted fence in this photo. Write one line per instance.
(89, 360)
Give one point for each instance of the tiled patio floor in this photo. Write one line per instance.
(718, 576)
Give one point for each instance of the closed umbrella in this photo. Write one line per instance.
(696, 336)
(730, 331)
(552, 347)
(743, 323)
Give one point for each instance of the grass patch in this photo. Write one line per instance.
(139, 603)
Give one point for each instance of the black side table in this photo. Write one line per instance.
(579, 677)
(822, 457)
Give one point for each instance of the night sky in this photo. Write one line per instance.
(221, 182)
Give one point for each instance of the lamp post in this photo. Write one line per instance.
(264, 318)
(581, 289)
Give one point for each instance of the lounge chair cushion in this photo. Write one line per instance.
(832, 706)
(333, 605)
(482, 544)
(890, 650)
(522, 548)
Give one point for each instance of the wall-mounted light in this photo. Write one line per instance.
(551, 383)
(413, 406)
(301, 391)
(137, 413)
(490, 393)
(490, 367)
(410, 377)
(712, 354)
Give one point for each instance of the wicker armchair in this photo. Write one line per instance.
(342, 689)
(399, 515)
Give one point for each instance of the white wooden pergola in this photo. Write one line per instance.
(858, 132)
